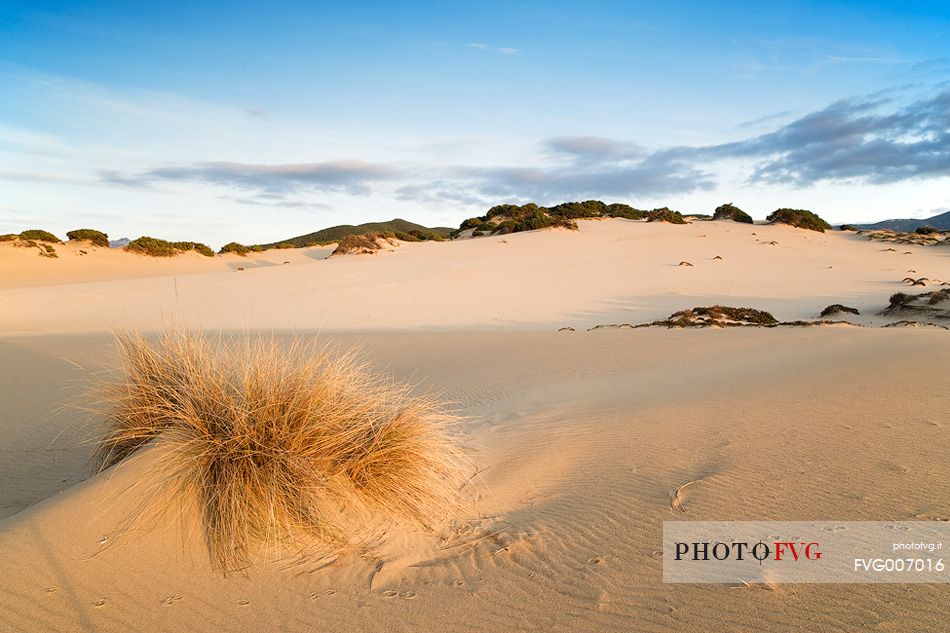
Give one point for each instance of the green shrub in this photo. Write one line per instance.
(730, 212)
(847, 227)
(619, 210)
(926, 230)
(9, 237)
(837, 308)
(574, 210)
(799, 218)
(98, 238)
(152, 246)
(47, 250)
(237, 249)
(39, 235)
(204, 249)
(664, 214)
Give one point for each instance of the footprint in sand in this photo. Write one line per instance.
(458, 583)
(597, 560)
(314, 596)
(170, 600)
(243, 603)
(99, 603)
(408, 595)
(390, 593)
(52, 589)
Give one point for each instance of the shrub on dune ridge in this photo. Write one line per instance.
(278, 446)
(729, 211)
(236, 248)
(799, 218)
(152, 246)
(39, 235)
(98, 238)
(664, 214)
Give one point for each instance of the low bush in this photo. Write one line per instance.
(837, 308)
(730, 212)
(9, 237)
(663, 214)
(236, 248)
(363, 243)
(97, 238)
(39, 235)
(799, 218)
(152, 246)
(847, 227)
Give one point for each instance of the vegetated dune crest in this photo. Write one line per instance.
(609, 271)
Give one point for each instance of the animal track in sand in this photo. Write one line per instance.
(101, 602)
(242, 603)
(170, 600)
(389, 593)
(408, 595)
(52, 589)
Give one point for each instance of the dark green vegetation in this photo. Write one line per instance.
(663, 214)
(730, 212)
(502, 219)
(941, 221)
(799, 218)
(837, 308)
(156, 247)
(397, 227)
(722, 316)
(9, 237)
(926, 230)
(98, 238)
(39, 235)
(236, 248)
(847, 227)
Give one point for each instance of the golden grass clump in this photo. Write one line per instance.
(280, 446)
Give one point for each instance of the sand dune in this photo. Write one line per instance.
(582, 438)
(611, 271)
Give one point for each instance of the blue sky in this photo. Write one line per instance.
(257, 121)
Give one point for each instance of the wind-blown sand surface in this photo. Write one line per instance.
(608, 272)
(581, 436)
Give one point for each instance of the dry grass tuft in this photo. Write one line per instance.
(279, 447)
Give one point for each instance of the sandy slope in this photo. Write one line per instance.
(582, 435)
(610, 271)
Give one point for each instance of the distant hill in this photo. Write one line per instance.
(119, 243)
(336, 233)
(941, 222)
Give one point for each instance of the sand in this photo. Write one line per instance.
(581, 436)
(611, 271)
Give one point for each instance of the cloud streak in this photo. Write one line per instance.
(346, 176)
(501, 50)
(874, 139)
